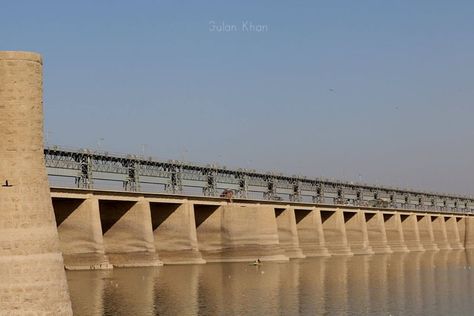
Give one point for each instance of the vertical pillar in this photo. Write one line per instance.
(209, 229)
(411, 233)
(129, 238)
(469, 232)
(32, 277)
(461, 224)
(452, 232)
(356, 230)
(376, 232)
(310, 232)
(174, 231)
(80, 234)
(287, 232)
(393, 227)
(426, 232)
(335, 232)
(439, 232)
(246, 233)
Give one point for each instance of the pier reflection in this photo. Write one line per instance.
(431, 282)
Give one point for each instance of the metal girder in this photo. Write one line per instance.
(87, 166)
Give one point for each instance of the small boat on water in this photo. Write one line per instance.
(256, 263)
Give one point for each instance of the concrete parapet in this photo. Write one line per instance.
(288, 233)
(128, 234)
(310, 232)
(439, 232)
(411, 233)
(394, 230)
(452, 232)
(469, 232)
(80, 233)
(376, 232)
(426, 232)
(174, 231)
(356, 231)
(335, 232)
(238, 233)
(32, 277)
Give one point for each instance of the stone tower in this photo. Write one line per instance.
(32, 277)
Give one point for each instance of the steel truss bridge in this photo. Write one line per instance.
(87, 169)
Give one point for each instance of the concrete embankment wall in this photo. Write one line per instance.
(99, 231)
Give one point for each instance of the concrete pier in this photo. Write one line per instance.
(426, 232)
(376, 232)
(80, 233)
(394, 230)
(288, 233)
(469, 233)
(356, 232)
(439, 232)
(128, 234)
(174, 231)
(411, 233)
(310, 232)
(239, 233)
(32, 277)
(334, 229)
(452, 232)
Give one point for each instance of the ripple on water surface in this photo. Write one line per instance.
(418, 283)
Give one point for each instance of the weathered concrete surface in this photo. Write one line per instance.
(356, 231)
(394, 230)
(411, 233)
(439, 232)
(239, 233)
(452, 232)
(376, 233)
(335, 232)
(426, 232)
(461, 223)
(310, 232)
(174, 232)
(80, 233)
(288, 233)
(32, 278)
(128, 234)
(469, 233)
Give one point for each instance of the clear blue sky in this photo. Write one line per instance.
(378, 91)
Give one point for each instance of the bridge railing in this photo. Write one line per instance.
(91, 169)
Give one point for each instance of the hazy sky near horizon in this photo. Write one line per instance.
(376, 91)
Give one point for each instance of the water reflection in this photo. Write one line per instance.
(434, 283)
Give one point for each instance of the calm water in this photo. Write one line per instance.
(425, 283)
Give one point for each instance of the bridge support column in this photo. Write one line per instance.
(310, 232)
(411, 233)
(174, 230)
(288, 233)
(426, 232)
(452, 232)
(439, 232)
(356, 230)
(232, 233)
(80, 233)
(469, 232)
(376, 232)
(32, 278)
(335, 232)
(128, 236)
(393, 227)
(461, 224)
